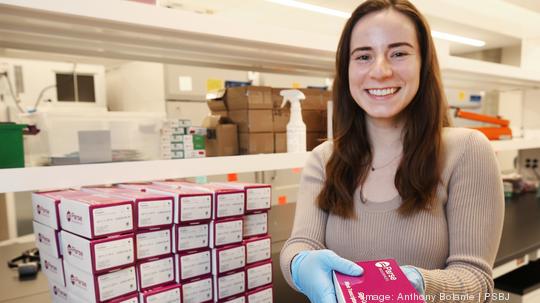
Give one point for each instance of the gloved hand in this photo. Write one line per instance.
(312, 273)
(415, 277)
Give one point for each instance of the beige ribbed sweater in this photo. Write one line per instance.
(453, 245)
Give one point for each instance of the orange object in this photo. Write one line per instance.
(501, 132)
(282, 200)
(232, 177)
(297, 170)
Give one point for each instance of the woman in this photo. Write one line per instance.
(396, 182)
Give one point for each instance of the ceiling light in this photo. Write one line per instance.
(459, 39)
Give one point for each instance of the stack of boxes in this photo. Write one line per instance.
(162, 242)
(180, 140)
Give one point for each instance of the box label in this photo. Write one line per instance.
(152, 244)
(228, 232)
(112, 219)
(263, 296)
(130, 300)
(256, 224)
(157, 272)
(258, 251)
(114, 253)
(230, 259)
(153, 213)
(117, 283)
(230, 205)
(198, 291)
(238, 300)
(194, 265)
(258, 198)
(195, 208)
(190, 237)
(231, 285)
(259, 276)
(169, 296)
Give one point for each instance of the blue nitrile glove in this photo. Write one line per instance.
(415, 277)
(312, 273)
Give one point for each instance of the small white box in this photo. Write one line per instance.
(258, 249)
(261, 295)
(196, 130)
(189, 205)
(228, 258)
(96, 216)
(53, 268)
(166, 294)
(45, 206)
(195, 153)
(198, 290)
(96, 256)
(259, 274)
(153, 243)
(255, 224)
(192, 236)
(101, 287)
(155, 272)
(229, 285)
(226, 231)
(47, 239)
(193, 264)
(258, 196)
(59, 293)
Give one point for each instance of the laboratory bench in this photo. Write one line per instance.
(520, 237)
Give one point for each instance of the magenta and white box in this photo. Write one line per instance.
(59, 293)
(45, 206)
(53, 268)
(381, 279)
(228, 258)
(259, 274)
(101, 287)
(263, 294)
(198, 290)
(226, 231)
(47, 239)
(133, 298)
(255, 224)
(235, 299)
(230, 284)
(139, 186)
(258, 249)
(258, 196)
(189, 205)
(151, 210)
(191, 236)
(166, 294)
(96, 216)
(98, 255)
(153, 243)
(156, 272)
(193, 264)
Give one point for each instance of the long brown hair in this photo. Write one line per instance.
(419, 171)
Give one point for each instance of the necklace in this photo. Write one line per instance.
(373, 168)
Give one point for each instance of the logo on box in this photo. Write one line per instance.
(72, 251)
(43, 211)
(43, 239)
(386, 270)
(78, 282)
(70, 216)
(50, 266)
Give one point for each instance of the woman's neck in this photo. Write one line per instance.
(385, 135)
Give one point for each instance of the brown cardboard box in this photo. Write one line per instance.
(252, 121)
(315, 120)
(280, 142)
(249, 97)
(221, 138)
(316, 99)
(281, 117)
(256, 143)
(313, 139)
(216, 103)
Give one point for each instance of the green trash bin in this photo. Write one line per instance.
(11, 142)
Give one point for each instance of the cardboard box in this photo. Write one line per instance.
(261, 295)
(198, 290)
(256, 143)
(235, 299)
(280, 118)
(156, 272)
(226, 231)
(193, 264)
(170, 293)
(255, 224)
(97, 256)
(229, 284)
(153, 243)
(315, 120)
(47, 240)
(59, 292)
(258, 249)
(45, 206)
(191, 236)
(258, 196)
(222, 136)
(53, 268)
(248, 97)
(280, 142)
(316, 99)
(253, 120)
(228, 258)
(189, 205)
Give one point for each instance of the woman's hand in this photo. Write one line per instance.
(312, 273)
(415, 277)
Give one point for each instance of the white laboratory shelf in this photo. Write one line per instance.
(515, 144)
(54, 177)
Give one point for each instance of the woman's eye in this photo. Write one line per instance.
(363, 57)
(399, 54)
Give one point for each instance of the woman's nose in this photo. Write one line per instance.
(381, 69)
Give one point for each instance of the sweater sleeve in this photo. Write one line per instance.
(309, 227)
(474, 212)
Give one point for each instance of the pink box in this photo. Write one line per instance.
(53, 268)
(261, 295)
(258, 249)
(133, 298)
(198, 290)
(189, 205)
(45, 206)
(258, 196)
(226, 231)
(155, 272)
(139, 186)
(235, 299)
(191, 236)
(229, 285)
(228, 258)
(259, 274)
(255, 224)
(47, 239)
(151, 210)
(170, 293)
(382, 280)
(153, 243)
(96, 216)
(99, 255)
(193, 264)
(101, 287)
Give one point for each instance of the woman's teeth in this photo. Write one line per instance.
(383, 92)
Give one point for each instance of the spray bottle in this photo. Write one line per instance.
(296, 129)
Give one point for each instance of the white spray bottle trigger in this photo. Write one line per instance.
(290, 95)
